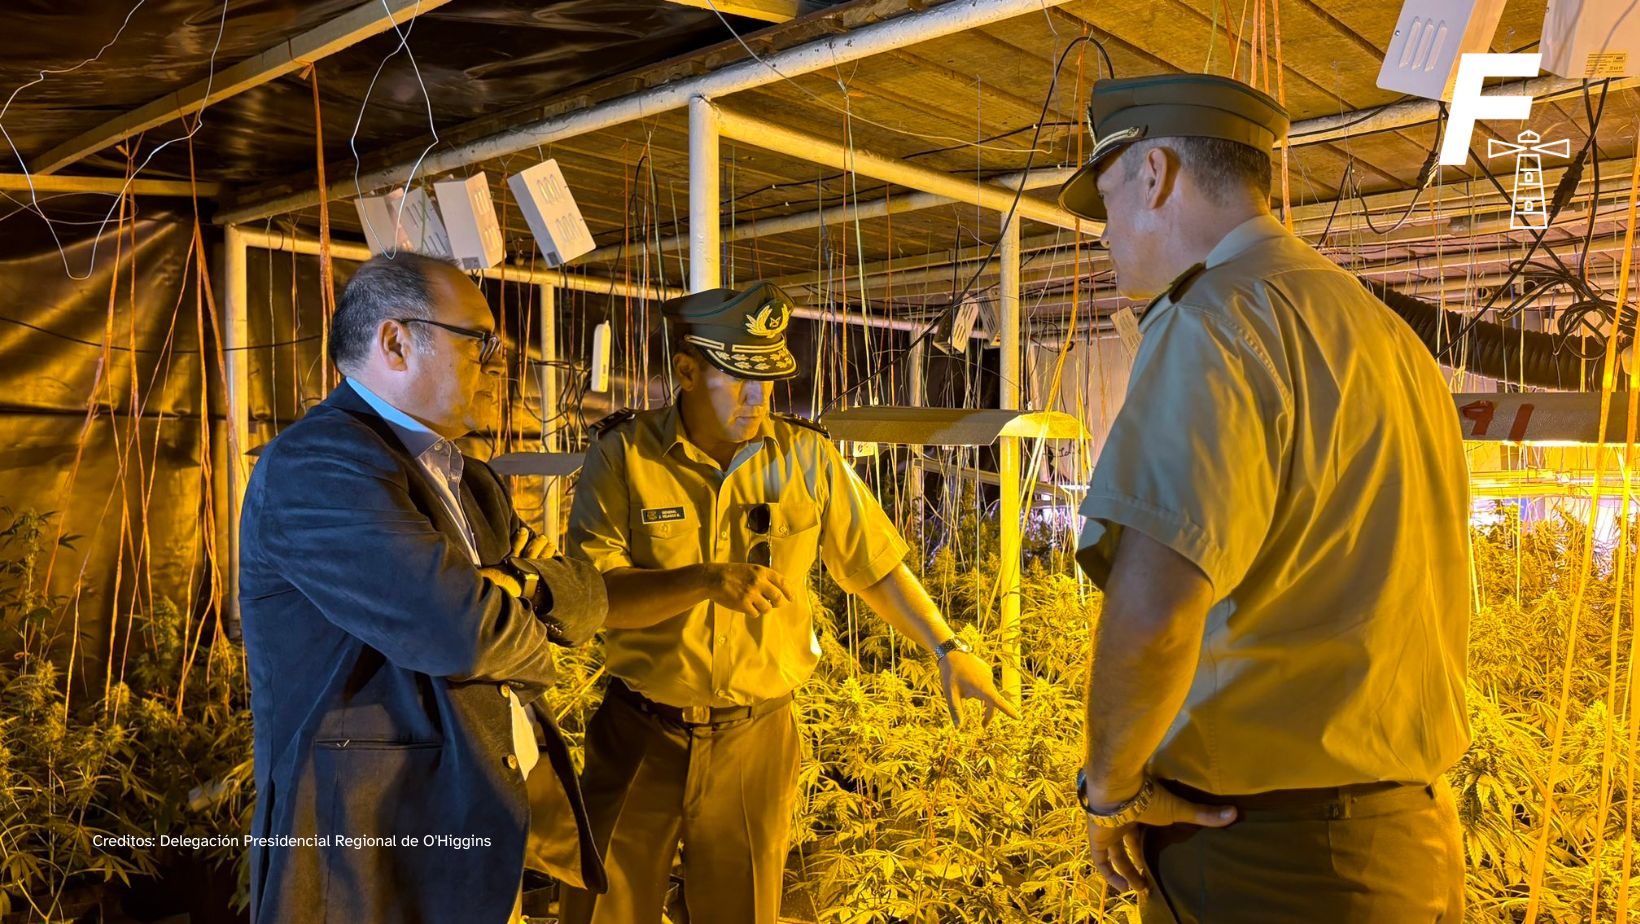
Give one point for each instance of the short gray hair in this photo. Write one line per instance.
(1219, 166)
(382, 288)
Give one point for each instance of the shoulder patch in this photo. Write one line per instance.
(797, 421)
(612, 421)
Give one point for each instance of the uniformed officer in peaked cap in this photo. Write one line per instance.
(1279, 521)
(706, 517)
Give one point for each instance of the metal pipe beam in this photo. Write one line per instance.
(875, 208)
(705, 252)
(561, 280)
(822, 54)
(1010, 522)
(556, 278)
(110, 185)
(1420, 111)
(286, 57)
(769, 136)
(1489, 216)
(551, 520)
(235, 338)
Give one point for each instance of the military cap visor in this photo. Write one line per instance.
(741, 332)
(1121, 112)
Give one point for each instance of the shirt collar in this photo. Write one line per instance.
(1254, 230)
(671, 426)
(414, 434)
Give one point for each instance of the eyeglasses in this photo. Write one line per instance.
(488, 341)
(758, 520)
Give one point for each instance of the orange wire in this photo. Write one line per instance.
(1617, 622)
(1255, 53)
(327, 281)
(1235, 59)
(1608, 383)
(1232, 36)
(1281, 97)
(1634, 639)
(123, 452)
(1076, 258)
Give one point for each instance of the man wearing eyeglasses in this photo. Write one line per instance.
(398, 624)
(706, 518)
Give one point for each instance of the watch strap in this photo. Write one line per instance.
(1125, 813)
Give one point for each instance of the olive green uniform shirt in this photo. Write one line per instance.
(650, 498)
(1288, 434)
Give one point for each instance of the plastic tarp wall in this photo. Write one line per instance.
(1091, 389)
(115, 441)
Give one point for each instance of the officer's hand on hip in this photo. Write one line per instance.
(963, 676)
(751, 589)
(1118, 853)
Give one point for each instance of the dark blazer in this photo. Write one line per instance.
(360, 607)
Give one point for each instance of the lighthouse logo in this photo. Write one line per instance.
(1528, 205)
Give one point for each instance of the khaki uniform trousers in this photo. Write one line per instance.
(1388, 857)
(725, 790)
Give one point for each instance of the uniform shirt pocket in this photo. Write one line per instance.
(795, 537)
(662, 540)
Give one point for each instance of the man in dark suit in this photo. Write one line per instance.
(398, 623)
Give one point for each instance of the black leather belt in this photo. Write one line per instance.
(1329, 802)
(694, 715)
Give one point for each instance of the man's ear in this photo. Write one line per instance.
(1159, 174)
(686, 369)
(392, 342)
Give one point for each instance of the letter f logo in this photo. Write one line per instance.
(1469, 106)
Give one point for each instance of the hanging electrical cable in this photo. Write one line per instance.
(1557, 737)
(1011, 216)
(1564, 190)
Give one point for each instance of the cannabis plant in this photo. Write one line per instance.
(167, 750)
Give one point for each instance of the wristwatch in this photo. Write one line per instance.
(949, 645)
(1123, 814)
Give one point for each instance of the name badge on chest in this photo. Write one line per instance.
(661, 514)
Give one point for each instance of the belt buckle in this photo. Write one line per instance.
(697, 715)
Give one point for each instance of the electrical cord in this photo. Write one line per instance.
(829, 105)
(1564, 190)
(1426, 175)
(1008, 219)
(1593, 115)
(120, 349)
(403, 33)
(198, 122)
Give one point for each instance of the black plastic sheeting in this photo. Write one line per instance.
(52, 371)
(475, 57)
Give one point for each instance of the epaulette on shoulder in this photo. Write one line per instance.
(795, 420)
(1176, 288)
(612, 421)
